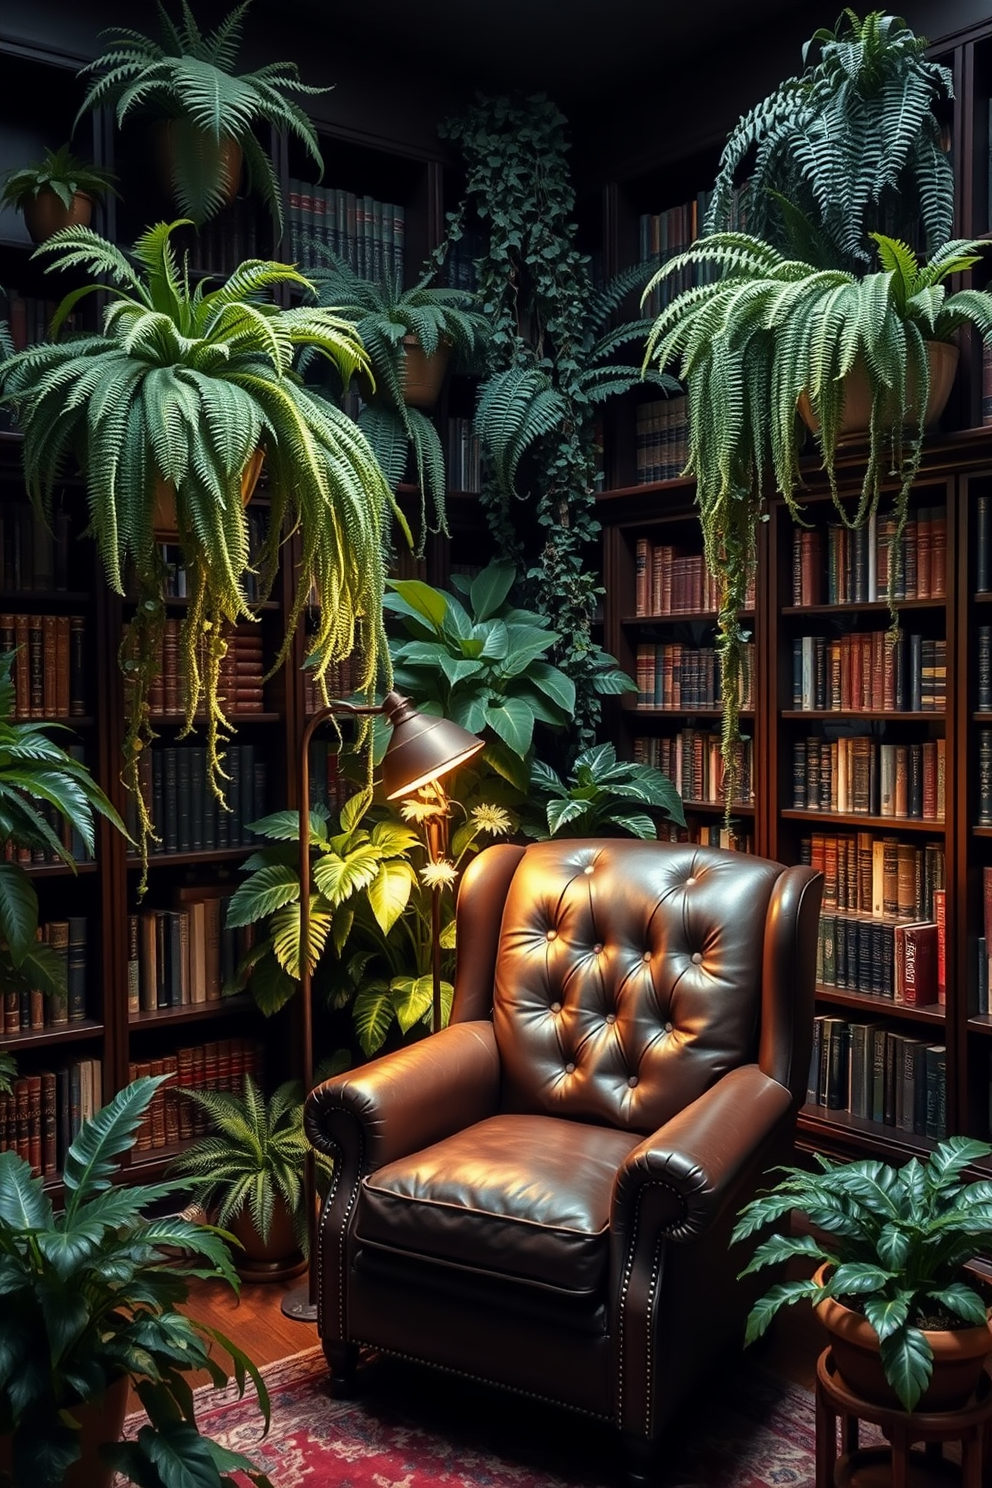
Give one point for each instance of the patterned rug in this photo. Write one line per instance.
(413, 1428)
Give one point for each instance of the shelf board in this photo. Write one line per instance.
(46, 598)
(981, 831)
(181, 602)
(176, 720)
(857, 818)
(980, 1023)
(871, 606)
(196, 1012)
(872, 1002)
(58, 870)
(738, 808)
(679, 483)
(890, 1141)
(674, 617)
(650, 711)
(214, 855)
(36, 1038)
(881, 714)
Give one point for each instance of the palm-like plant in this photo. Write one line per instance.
(602, 794)
(184, 385)
(189, 79)
(34, 773)
(850, 147)
(771, 328)
(92, 1294)
(57, 171)
(254, 1156)
(385, 315)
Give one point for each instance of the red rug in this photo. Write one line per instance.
(413, 1428)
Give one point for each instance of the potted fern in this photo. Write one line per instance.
(56, 192)
(184, 391)
(826, 284)
(209, 112)
(247, 1173)
(410, 336)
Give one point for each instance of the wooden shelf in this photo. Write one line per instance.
(855, 819)
(872, 1002)
(176, 720)
(874, 714)
(890, 1142)
(196, 1012)
(676, 617)
(868, 606)
(59, 870)
(213, 855)
(648, 710)
(65, 1033)
(737, 808)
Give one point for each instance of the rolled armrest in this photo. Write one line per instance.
(691, 1168)
(409, 1098)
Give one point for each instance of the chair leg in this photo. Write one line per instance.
(343, 1361)
(641, 1460)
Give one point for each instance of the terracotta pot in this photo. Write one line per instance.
(164, 509)
(958, 1357)
(266, 1260)
(942, 359)
(423, 375)
(46, 215)
(225, 156)
(101, 1422)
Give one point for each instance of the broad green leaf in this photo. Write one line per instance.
(389, 893)
(490, 588)
(554, 684)
(513, 721)
(354, 809)
(18, 910)
(24, 1205)
(412, 998)
(267, 890)
(908, 1364)
(338, 878)
(373, 1014)
(422, 599)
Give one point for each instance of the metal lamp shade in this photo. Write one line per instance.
(422, 748)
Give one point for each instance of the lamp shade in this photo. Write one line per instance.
(422, 748)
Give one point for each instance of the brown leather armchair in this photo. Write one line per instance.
(541, 1195)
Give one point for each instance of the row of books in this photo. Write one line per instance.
(841, 566)
(219, 1064)
(869, 672)
(693, 761)
(41, 1117)
(217, 247)
(902, 961)
(684, 677)
(30, 1010)
(662, 235)
(29, 318)
(462, 456)
(736, 837)
(186, 813)
(42, 855)
(880, 877)
(879, 1075)
(863, 777)
(661, 439)
(50, 664)
(339, 685)
(668, 581)
(367, 234)
(34, 558)
(183, 956)
(175, 582)
(241, 674)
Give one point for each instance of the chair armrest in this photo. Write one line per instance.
(678, 1180)
(407, 1099)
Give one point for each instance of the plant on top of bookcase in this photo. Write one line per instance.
(602, 795)
(92, 1300)
(210, 112)
(768, 338)
(56, 192)
(409, 335)
(175, 401)
(35, 772)
(892, 1247)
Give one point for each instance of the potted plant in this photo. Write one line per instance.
(90, 1306)
(210, 112)
(248, 1175)
(35, 774)
(57, 192)
(602, 796)
(410, 335)
(906, 1318)
(182, 393)
(774, 321)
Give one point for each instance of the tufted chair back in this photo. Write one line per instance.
(628, 977)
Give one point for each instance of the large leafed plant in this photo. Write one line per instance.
(183, 387)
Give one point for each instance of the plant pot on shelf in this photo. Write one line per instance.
(422, 374)
(942, 359)
(958, 1357)
(164, 509)
(100, 1422)
(222, 158)
(274, 1259)
(47, 214)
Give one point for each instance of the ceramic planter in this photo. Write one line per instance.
(942, 359)
(958, 1357)
(47, 215)
(164, 509)
(267, 1260)
(422, 374)
(224, 156)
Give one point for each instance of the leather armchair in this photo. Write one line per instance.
(541, 1195)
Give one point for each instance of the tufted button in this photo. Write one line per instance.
(689, 881)
(611, 1017)
(556, 1007)
(697, 958)
(632, 1081)
(597, 949)
(668, 1027)
(570, 1069)
(587, 869)
(646, 956)
(552, 934)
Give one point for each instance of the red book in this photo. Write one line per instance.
(916, 964)
(940, 915)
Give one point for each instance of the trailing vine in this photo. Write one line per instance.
(535, 288)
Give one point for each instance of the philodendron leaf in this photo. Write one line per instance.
(373, 1014)
(24, 1205)
(908, 1364)
(389, 893)
(411, 999)
(767, 1306)
(267, 890)
(490, 588)
(422, 599)
(960, 1299)
(18, 910)
(513, 721)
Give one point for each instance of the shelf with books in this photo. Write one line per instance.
(855, 819)
(844, 997)
(84, 1030)
(225, 1007)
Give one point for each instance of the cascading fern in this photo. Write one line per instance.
(184, 384)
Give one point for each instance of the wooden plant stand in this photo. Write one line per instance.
(898, 1465)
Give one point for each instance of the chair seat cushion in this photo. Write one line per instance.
(526, 1197)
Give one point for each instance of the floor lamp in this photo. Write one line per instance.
(421, 750)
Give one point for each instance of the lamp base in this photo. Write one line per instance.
(297, 1304)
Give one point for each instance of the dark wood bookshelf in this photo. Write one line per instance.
(858, 819)
(43, 1038)
(198, 1012)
